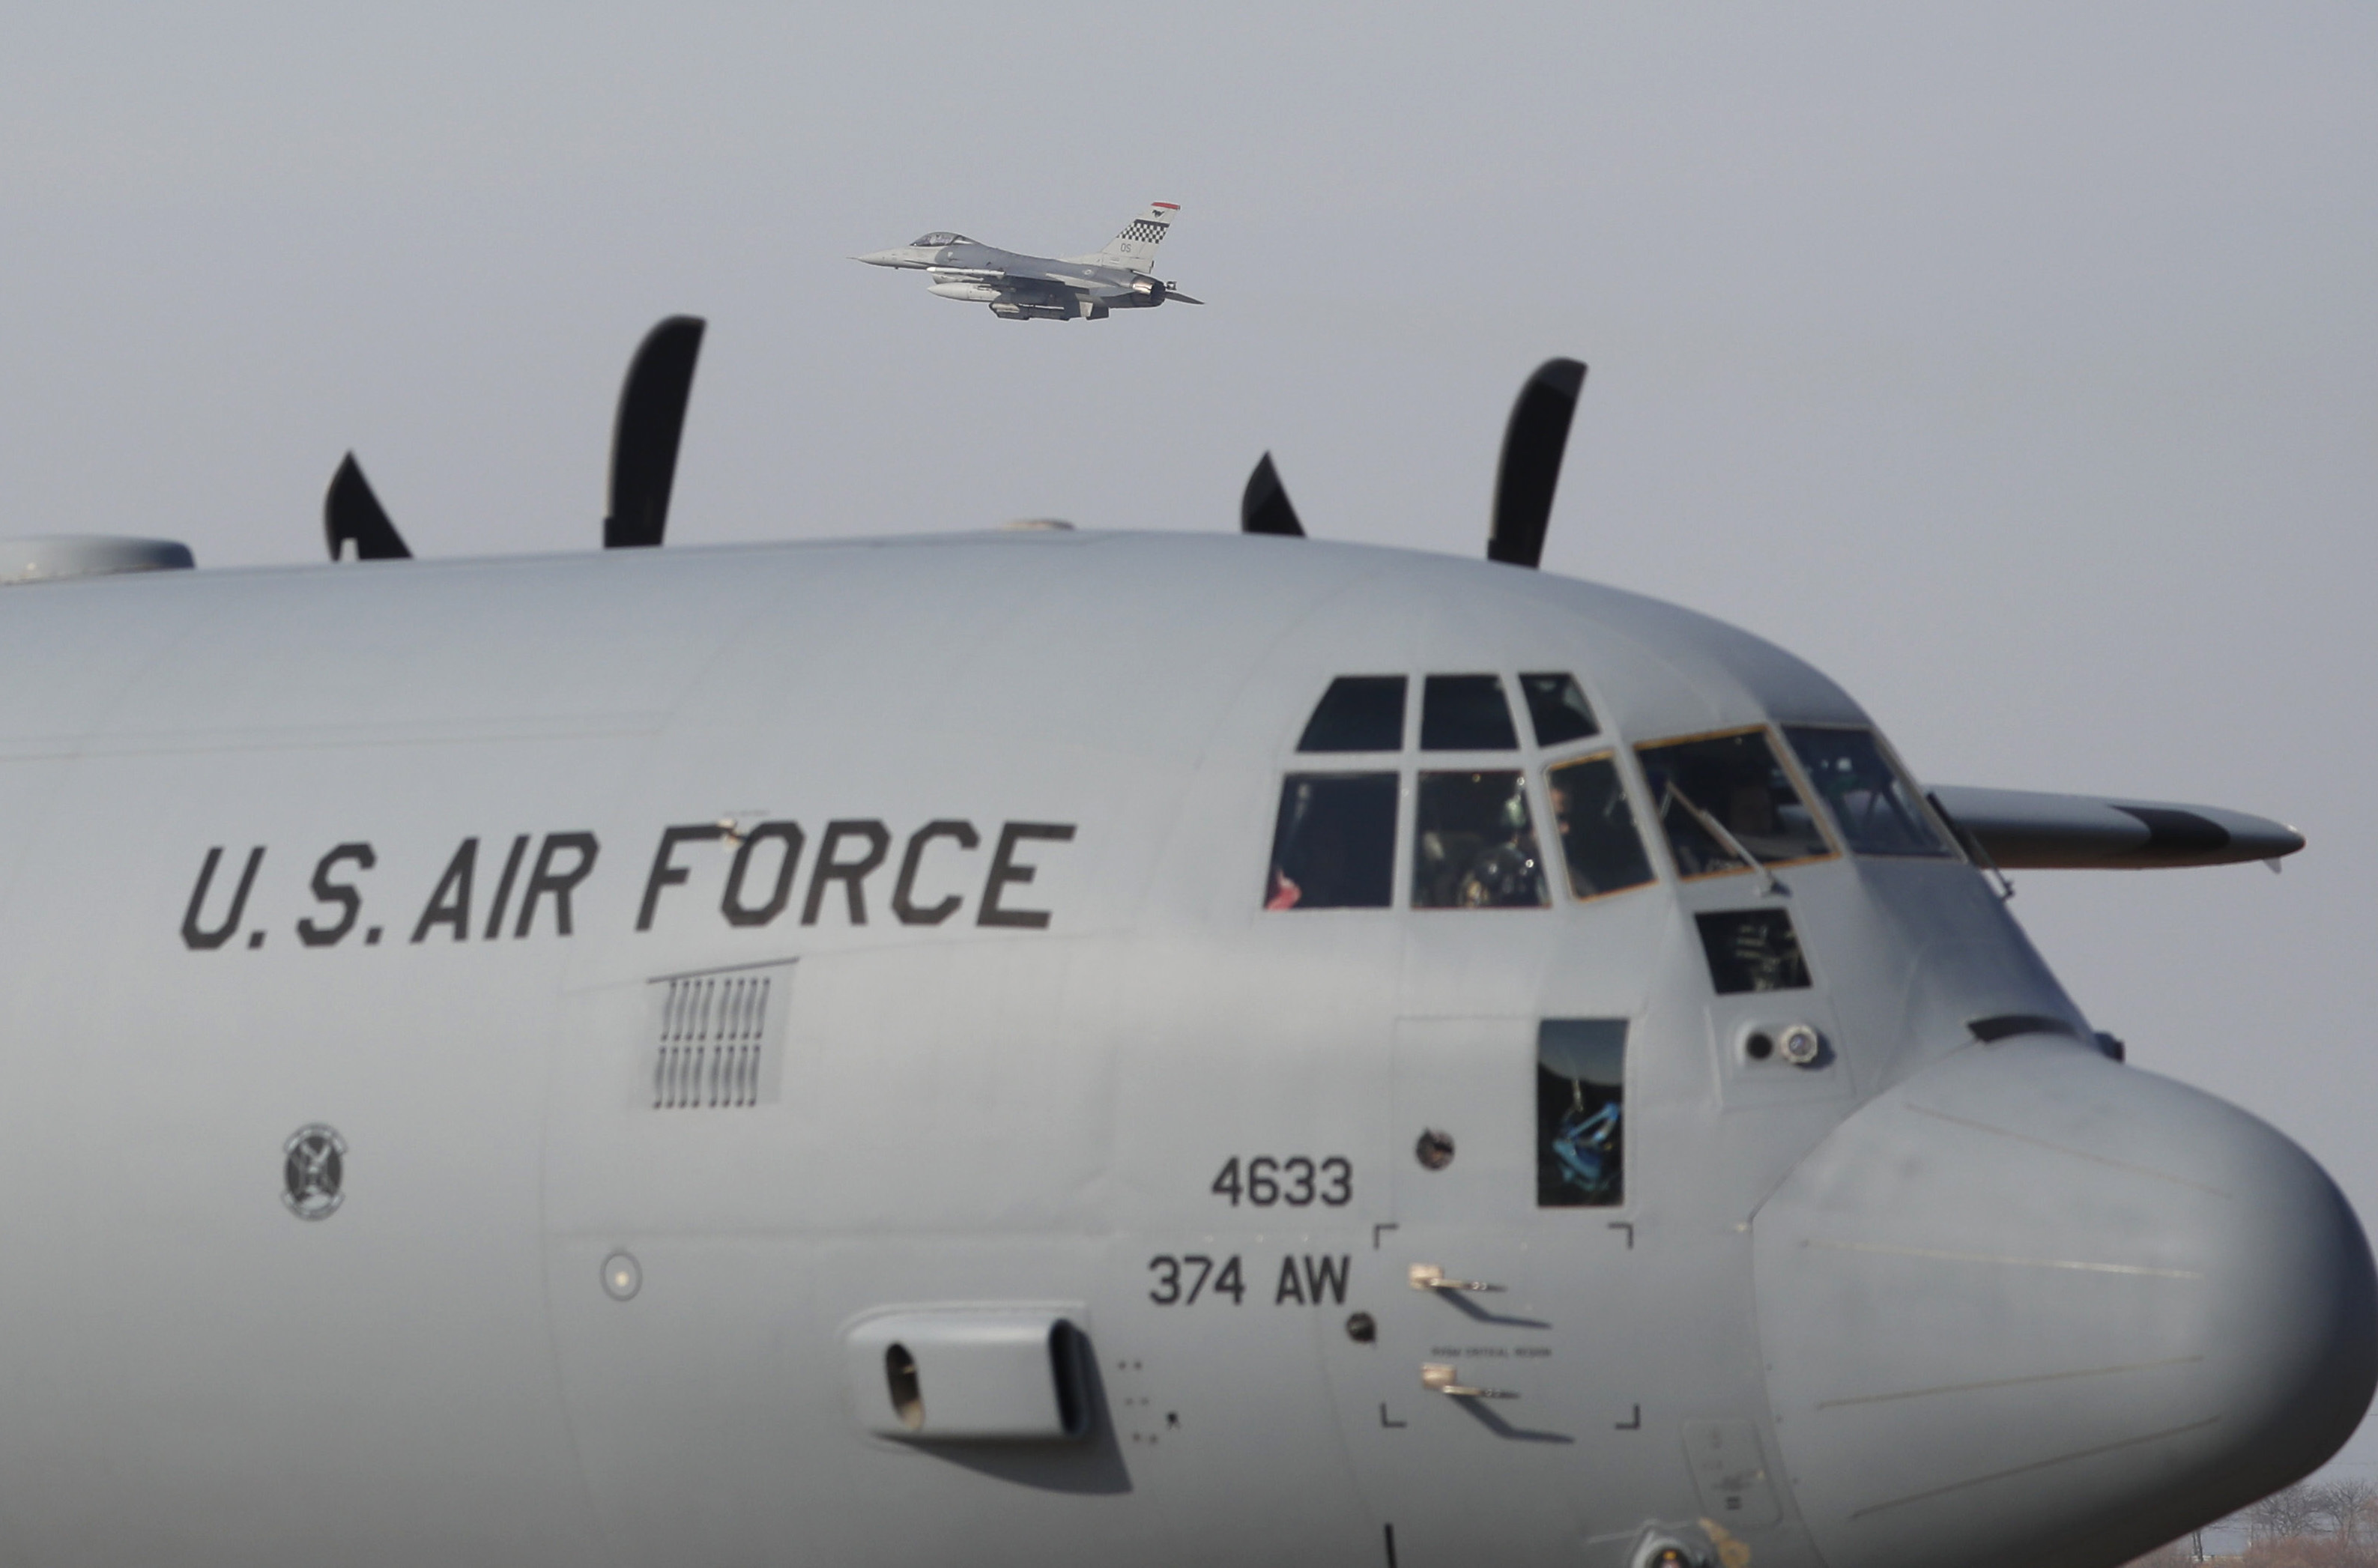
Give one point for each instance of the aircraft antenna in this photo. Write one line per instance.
(350, 511)
(1264, 509)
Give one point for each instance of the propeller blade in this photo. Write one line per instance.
(350, 511)
(643, 441)
(1263, 507)
(1533, 444)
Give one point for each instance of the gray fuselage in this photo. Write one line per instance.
(1015, 284)
(1961, 1290)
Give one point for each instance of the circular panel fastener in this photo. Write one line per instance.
(622, 1277)
(314, 1171)
(1435, 1150)
(1800, 1045)
(1361, 1328)
(1665, 1552)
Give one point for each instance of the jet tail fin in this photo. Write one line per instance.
(1135, 248)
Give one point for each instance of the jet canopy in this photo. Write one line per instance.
(940, 236)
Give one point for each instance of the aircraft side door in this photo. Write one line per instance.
(1471, 1410)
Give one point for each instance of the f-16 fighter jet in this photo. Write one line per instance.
(1046, 288)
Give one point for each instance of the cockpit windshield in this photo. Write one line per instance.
(1473, 846)
(1721, 797)
(1871, 801)
(1596, 828)
(1472, 820)
(1465, 713)
(939, 237)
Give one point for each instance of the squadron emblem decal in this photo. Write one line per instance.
(313, 1165)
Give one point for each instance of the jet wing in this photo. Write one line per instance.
(2022, 829)
(1060, 280)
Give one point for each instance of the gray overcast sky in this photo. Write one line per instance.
(2017, 364)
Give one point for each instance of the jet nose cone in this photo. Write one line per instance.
(884, 257)
(2033, 1306)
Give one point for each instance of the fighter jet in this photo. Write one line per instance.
(1045, 288)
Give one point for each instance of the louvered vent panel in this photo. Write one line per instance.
(719, 1038)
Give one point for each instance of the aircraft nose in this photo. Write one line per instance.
(2030, 1305)
(883, 257)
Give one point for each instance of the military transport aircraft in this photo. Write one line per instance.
(1065, 1048)
(1044, 288)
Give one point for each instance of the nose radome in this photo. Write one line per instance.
(2030, 1305)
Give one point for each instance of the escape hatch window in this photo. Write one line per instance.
(1558, 709)
(1334, 846)
(1357, 713)
(1722, 797)
(1581, 1103)
(1596, 825)
(1752, 950)
(1872, 803)
(1474, 845)
(1466, 714)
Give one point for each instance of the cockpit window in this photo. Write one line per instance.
(1473, 846)
(1596, 827)
(1334, 846)
(1558, 709)
(1721, 797)
(1466, 714)
(940, 236)
(1358, 713)
(1872, 803)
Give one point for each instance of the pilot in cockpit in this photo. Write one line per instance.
(1476, 848)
